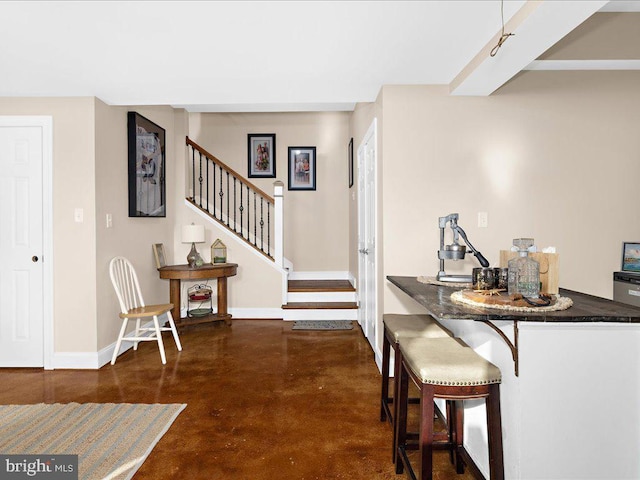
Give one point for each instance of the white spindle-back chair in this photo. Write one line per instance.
(125, 282)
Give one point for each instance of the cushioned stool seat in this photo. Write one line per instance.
(446, 368)
(397, 326)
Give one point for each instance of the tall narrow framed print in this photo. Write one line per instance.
(262, 155)
(147, 190)
(302, 168)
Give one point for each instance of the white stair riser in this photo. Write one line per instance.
(328, 314)
(297, 297)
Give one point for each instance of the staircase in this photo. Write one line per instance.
(232, 202)
(320, 300)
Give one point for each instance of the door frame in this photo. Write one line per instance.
(46, 123)
(370, 136)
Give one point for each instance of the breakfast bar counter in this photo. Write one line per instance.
(586, 308)
(570, 382)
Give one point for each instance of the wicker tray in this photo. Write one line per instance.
(502, 300)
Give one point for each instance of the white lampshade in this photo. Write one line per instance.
(193, 233)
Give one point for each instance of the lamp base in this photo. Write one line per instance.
(194, 259)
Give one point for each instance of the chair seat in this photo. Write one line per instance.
(415, 325)
(147, 311)
(446, 361)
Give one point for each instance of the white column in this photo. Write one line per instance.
(278, 232)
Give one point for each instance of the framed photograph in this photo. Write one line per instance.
(302, 168)
(158, 253)
(147, 191)
(631, 257)
(350, 166)
(262, 155)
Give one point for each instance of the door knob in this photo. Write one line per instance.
(34, 259)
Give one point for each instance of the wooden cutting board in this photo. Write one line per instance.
(501, 299)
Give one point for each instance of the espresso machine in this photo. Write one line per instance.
(455, 251)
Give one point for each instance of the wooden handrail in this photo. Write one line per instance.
(224, 166)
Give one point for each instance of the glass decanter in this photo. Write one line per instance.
(524, 271)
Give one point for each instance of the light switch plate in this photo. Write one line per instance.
(483, 219)
(78, 215)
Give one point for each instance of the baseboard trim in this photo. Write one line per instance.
(90, 360)
(255, 313)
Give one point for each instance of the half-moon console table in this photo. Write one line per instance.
(220, 271)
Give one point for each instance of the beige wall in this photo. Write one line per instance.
(316, 222)
(74, 246)
(90, 172)
(554, 156)
(130, 237)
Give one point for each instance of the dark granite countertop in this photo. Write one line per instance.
(586, 308)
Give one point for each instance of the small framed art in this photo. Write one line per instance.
(146, 142)
(631, 257)
(158, 253)
(261, 155)
(302, 168)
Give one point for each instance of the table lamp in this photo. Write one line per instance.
(193, 234)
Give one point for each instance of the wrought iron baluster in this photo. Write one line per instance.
(221, 196)
(261, 223)
(241, 211)
(200, 180)
(234, 204)
(255, 224)
(268, 230)
(207, 182)
(248, 215)
(213, 190)
(193, 174)
(227, 199)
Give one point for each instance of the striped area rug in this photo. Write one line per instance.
(111, 440)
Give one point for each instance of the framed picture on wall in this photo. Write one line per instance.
(146, 143)
(261, 155)
(631, 257)
(350, 165)
(302, 168)
(158, 253)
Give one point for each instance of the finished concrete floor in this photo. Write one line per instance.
(263, 403)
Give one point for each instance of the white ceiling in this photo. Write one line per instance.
(270, 55)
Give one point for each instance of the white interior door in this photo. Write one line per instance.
(21, 244)
(367, 313)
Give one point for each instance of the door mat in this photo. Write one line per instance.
(322, 325)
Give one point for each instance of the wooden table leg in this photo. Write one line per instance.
(174, 297)
(222, 300)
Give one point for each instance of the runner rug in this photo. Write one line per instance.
(322, 325)
(111, 440)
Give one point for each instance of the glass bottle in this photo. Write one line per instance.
(524, 271)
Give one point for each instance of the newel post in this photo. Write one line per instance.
(278, 247)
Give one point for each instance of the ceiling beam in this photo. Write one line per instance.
(536, 27)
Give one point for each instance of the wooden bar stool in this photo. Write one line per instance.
(446, 368)
(397, 326)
